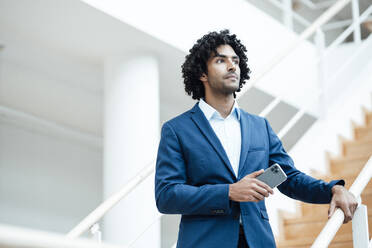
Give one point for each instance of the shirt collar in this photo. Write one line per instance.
(209, 111)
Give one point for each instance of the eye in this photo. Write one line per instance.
(236, 62)
(219, 60)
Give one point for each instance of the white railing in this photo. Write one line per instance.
(334, 223)
(289, 14)
(97, 214)
(320, 5)
(324, 51)
(324, 18)
(102, 209)
(16, 237)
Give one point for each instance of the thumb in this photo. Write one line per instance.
(331, 209)
(255, 174)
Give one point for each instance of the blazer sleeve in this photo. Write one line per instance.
(298, 185)
(172, 193)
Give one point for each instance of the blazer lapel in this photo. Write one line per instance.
(199, 118)
(245, 127)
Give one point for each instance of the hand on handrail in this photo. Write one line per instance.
(343, 199)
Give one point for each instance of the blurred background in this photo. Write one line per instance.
(86, 85)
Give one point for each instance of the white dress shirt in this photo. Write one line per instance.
(227, 130)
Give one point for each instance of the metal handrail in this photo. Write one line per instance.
(337, 41)
(320, 5)
(325, 17)
(349, 30)
(296, 16)
(334, 223)
(102, 209)
(98, 213)
(302, 111)
(15, 237)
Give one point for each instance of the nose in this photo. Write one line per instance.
(231, 66)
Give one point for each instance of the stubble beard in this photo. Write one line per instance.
(230, 88)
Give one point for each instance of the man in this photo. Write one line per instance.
(209, 158)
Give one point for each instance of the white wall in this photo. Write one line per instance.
(46, 183)
(51, 85)
(48, 180)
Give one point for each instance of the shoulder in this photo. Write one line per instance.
(252, 117)
(179, 121)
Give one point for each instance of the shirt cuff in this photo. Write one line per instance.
(333, 183)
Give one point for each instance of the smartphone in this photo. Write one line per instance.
(273, 176)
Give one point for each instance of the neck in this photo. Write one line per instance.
(223, 104)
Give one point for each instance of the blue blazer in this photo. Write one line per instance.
(193, 174)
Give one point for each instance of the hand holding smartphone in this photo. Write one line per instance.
(273, 176)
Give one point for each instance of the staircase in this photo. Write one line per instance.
(301, 229)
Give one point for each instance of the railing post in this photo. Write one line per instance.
(1, 60)
(360, 227)
(96, 232)
(320, 43)
(356, 24)
(288, 14)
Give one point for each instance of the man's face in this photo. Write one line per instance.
(223, 71)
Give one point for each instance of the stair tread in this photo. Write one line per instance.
(317, 218)
(301, 231)
(310, 240)
(357, 142)
(350, 158)
(342, 175)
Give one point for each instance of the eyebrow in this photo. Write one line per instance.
(224, 56)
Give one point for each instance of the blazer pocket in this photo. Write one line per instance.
(264, 214)
(256, 149)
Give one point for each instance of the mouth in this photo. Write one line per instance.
(232, 77)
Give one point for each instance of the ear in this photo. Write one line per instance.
(204, 78)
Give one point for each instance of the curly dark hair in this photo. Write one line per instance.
(196, 62)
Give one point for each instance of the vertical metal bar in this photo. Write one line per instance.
(321, 45)
(1, 61)
(96, 232)
(288, 14)
(360, 227)
(356, 24)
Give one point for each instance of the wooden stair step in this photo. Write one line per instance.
(308, 209)
(312, 229)
(369, 118)
(338, 241)
(301, 231)
(357, 148)
(349, 178)
(364, 132)
(346, 164)
(322, 215)
(315, 217)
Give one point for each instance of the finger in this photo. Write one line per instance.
(257, 195)
(331, 209)
(347, 213)
(349, 216)
(260, 190)
(253, 199)
(355, 206)
(255, 174)
(265, 186)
